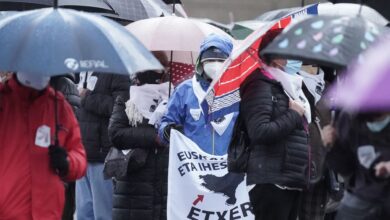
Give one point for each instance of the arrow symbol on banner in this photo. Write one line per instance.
(199, 199)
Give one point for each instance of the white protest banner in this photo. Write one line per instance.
(200, 187)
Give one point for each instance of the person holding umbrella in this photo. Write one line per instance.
(32, 162)
(358, 147)
(279, 162)
(184, 107)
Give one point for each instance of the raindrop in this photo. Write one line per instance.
(301, 44)
(363, 45)
(369, 37)
(317, 48)
(298, 31)
(318, 36)
(334, 52)
(318, 24)
(337, 39)
(337, 29)
(284, 43)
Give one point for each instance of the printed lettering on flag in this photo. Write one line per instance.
(200, 187)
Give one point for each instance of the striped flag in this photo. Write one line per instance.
(224, 93)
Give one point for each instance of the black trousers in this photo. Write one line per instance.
(272, 203)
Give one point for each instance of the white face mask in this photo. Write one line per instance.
(378, 126)
(3, 79)
(211, 69)
(35, 82)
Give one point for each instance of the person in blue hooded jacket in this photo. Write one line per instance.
(184, 111)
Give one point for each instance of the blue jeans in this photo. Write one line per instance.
(94, 195)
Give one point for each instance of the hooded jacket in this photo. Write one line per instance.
(184, 109)
(29, 188)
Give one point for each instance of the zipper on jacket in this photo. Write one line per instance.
(306, 128)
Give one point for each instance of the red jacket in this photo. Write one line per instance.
(29, 189)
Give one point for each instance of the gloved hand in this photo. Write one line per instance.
(58, 160)
(167, 130)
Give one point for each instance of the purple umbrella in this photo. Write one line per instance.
(366, 85)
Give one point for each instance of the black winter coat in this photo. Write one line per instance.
(278, 141)
(67, 86)
(320, 117)
(343, 158)
(95, 112)
(143, 193)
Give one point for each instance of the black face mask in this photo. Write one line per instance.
(148, 77)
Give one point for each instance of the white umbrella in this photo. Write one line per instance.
(179, 37)
(172, 33)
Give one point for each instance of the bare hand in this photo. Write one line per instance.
(294, 105)
(382, 169)
(328, 136)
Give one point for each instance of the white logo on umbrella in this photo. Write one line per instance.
(72, 64)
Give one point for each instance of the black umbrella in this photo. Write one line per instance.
(172, 1)
(332, 41)
(99, 6)
(134, 10)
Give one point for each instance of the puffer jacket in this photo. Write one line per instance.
(95, 112)
(141, 194)
(66, 85)
(279, 146)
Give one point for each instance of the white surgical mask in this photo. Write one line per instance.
(211, 69)
(33, 81)
(378, 126)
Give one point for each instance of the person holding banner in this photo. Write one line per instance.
(275, 118)
(185, 111)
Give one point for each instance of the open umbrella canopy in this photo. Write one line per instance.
(224, 90)
(241, 29)
(179, 37)
(100, 6)
(332, 41)
(134, 10)
(276, 14)
(172, 33)
(57, 41)
(365, 86)
(382, 6)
